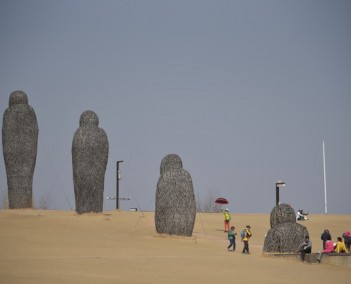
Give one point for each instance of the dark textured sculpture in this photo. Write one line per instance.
(175, 209)
(20, 143)
(89, 157)
(285, 234)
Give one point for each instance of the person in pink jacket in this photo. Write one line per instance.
(329, 247)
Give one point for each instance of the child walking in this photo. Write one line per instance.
(246, 235)
(231, 238)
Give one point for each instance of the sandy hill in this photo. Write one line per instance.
(44, 246)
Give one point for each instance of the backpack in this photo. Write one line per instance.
(243, 233)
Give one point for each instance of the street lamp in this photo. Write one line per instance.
(278, 184)
(118, 177)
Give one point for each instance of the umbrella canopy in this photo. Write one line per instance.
(221, 201)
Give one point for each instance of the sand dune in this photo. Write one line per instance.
(44, 246)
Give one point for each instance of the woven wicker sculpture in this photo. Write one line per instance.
(175, 209)
(285, 234)
(89, 158)
(20, 142)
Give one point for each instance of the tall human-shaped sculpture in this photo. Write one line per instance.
(175, 208)
(89, 157)
(20, 143)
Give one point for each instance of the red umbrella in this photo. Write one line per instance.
(221, 201)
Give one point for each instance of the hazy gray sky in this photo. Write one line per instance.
(245, 92)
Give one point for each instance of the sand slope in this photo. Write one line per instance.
(43, 246)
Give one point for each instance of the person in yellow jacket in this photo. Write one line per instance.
(227, 219)
(245, 238)
(340, 246)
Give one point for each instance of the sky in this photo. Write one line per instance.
(245, 92)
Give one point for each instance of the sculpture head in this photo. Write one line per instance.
(18, 98)
(171, 162)
(88, 118)
(282, 213)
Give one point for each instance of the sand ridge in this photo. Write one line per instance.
(48, 246)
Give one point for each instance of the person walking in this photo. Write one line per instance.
(227, 219)
(245, 236)
(326, 236)
(305, 247)
(231, 238)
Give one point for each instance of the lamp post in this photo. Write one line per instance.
(118, 177)
(278, 184)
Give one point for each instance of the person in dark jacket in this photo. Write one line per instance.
(347, 240)
(306, 247)
(326, 236)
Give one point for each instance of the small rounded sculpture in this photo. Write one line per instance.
(89, 157)
(20, 142)
(175, 208)
(285, 235)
